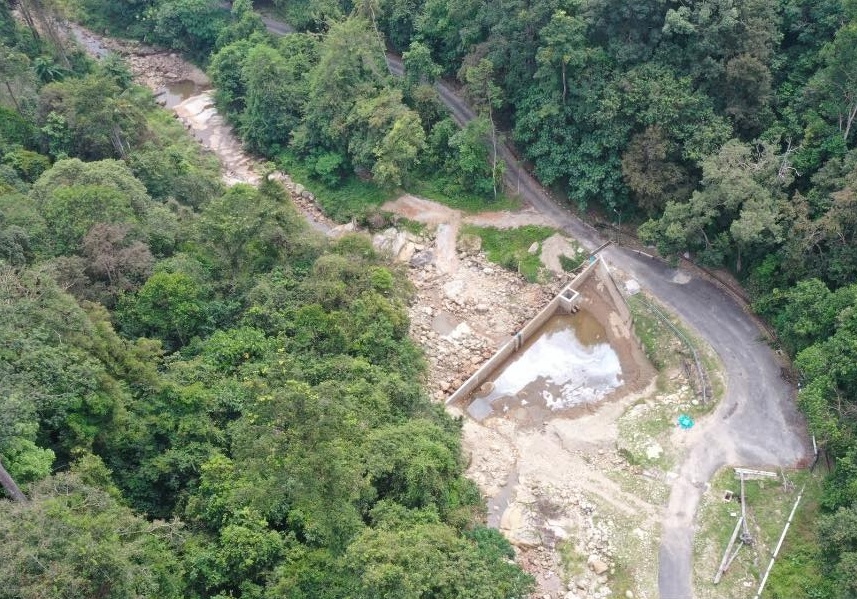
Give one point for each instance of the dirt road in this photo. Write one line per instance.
(757, 423)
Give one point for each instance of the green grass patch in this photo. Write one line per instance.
(571, 264)
(448, 192)
(665, 350)
(411, 226)
(355, 198)
(651, 422)
(658, 341)
(510, 247)
(573, 562)
(795, 575)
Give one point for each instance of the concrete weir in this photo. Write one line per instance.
(566, 302)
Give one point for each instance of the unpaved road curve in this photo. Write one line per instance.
(756, 425)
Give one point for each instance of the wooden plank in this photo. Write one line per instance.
(754, 474)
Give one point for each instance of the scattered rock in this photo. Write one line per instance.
(342, 230)
(654, 451)
(632, 287)
(597, 565)
(422, 259)
(534, 247)
(407, 252)
(469, 243)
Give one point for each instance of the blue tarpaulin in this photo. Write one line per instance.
(685, 421)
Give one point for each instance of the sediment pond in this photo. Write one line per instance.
(568, 363)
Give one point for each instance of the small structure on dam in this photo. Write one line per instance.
(579, 350)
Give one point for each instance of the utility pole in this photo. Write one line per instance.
(618, 226)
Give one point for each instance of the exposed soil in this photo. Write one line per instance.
(558, 488)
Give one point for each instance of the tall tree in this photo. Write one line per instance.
(480, 87)
(836, 83)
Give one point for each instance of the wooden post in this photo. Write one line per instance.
(723, 563)
(744, 510)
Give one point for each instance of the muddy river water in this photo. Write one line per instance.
(174, 93)
(568, 364)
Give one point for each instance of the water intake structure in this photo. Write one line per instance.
(578, 351)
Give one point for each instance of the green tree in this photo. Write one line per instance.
(834, 84)
(564, 46)
(74, 195)
(351, 67)
(652, 178)
(248, 231)
(16, 77)
(274, 99)
(244, 24)
(73, 540)
(169, 306)
(188, 25)
(480, 86)
(102, 120)
(386, 137)
(472, 157)
(419, 66)
(430, 560)
(738, 209)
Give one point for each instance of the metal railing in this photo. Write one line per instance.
(687, 342)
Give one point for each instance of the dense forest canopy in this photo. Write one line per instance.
(194, 354)
(201, 397)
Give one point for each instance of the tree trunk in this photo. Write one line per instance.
(14, 99)
(494, 145)
(564, 84)
(852, 112)
(49, 26)
(9, 485)
(118, 144)
(25, 11)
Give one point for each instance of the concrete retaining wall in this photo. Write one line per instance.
(565, 302)
(615, 294)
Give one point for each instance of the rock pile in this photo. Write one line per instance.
(575, 521)
(460, 319)
(305, 201)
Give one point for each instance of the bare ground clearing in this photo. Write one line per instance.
(583, 514)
